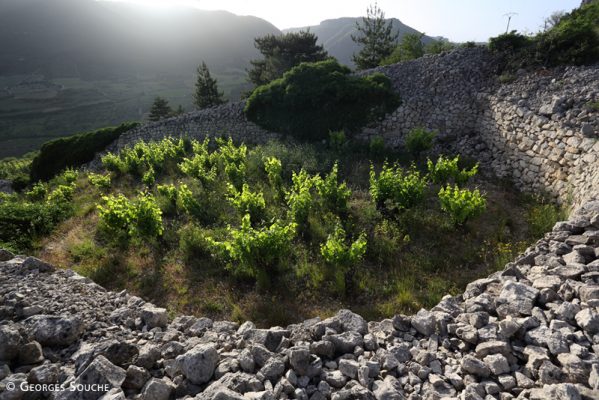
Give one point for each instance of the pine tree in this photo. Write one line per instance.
(410, 47)
(160, 109)
(283, 52)
(376, 37)
(206, 93)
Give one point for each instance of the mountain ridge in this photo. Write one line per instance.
(335, 35)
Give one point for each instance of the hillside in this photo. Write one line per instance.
(73, 65)
(335, 36)
(96, 40)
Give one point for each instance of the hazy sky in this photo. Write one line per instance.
(458, 20)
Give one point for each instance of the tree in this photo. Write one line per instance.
(376, 36)
(554, 19)
(283, 52)
(160, 109)
(410, 48)
(313, 99)
(206, 93)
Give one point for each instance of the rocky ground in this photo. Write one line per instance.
(530, 331)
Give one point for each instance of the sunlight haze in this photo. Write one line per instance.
(460, 20)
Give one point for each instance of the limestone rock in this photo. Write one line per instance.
(424, 322)
(9, 342)
(199, 363)
(52, 330)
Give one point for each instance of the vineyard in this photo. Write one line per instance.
(228, 230)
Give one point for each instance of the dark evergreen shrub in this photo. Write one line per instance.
(574, 40)
(314, 98)
(73, 151)
(509, 42)
(21, 222)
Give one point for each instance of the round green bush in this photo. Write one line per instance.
(312, 99)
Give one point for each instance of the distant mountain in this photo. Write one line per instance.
(335, 36)
(98, 39)
(73, 65)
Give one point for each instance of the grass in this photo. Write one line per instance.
(414, 257)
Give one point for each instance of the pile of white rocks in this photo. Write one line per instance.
(530, 331)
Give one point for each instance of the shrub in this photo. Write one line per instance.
(20, 182)
(168, 191)
(517, 51)
(236, 173)
(461, 204)
(37, 192)
(118, 214)
(13, 169)
(23, 221)
(299, 197)
(404, 190)
(273, 168)
(388, 239)
(149, 176)
(227, 158)
(334, 195)
(314, 98)
(247, 202)
(511, 42)
(419, 140)
(98, 180)
(180, 199)
(231, 159)
(376, 146)
(337, 140)
(574, 40)
(439, 46)
(542, 217)
(410, 47)
(194, 243)
(148, 217)
(139, 218)
(69, 175)
(256, 252)
(199, 167)
(446, 169)
(342, 256)
(62, 194)
(73, 151)
(145, 159)
(186, 200)
(112, 162)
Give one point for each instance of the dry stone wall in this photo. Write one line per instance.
(227, 120)
(541, 130)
